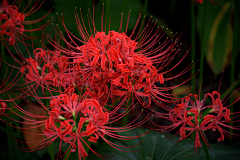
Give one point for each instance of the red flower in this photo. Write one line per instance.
(75, 121)
(12, 22)
(193, 115)
(126, 70)
(46, 69)
(106, 69)
(127, 67)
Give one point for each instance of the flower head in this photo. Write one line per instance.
(113, 57)
(75, 122)
(122, 64)
(194, 115)
(12, 22)
(46, 68)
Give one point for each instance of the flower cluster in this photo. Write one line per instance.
(94, 85)
(47, 68)
(113, 58)
(193, 115)
(122, 65)
(75, 121)
(12, 22)
(90, 87)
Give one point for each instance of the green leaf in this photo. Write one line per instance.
(211, 13)
(156, 146)
(220, 40)
(217, 33)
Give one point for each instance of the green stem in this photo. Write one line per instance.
(67, 154)
(74, 119)
(78, 92)
(205, 147)
(193, 49)
(206, 150)
(203, 41)
(50, 151)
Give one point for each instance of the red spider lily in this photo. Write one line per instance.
(120, 66)
(47, 68)
(106, 69)
(194, 115)
(12, 21)
(125, 65)
(90, 116)
(74, 123)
